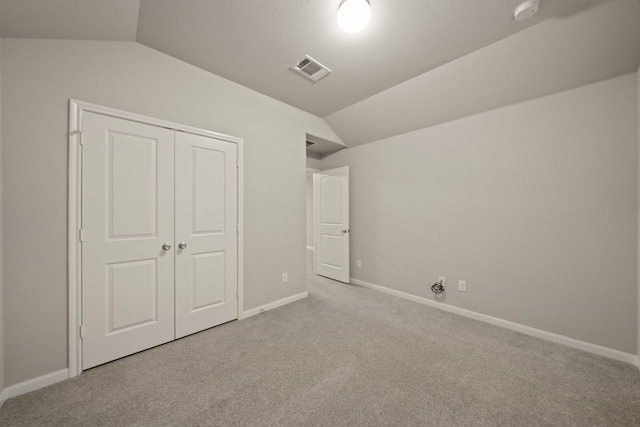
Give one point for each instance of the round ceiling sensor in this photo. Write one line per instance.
(526, 9)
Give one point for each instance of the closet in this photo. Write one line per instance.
(159, 242)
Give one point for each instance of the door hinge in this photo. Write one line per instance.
(76, 132)
(81, 331)
(81, 235)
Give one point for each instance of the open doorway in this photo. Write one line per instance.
(331, 224)
(327, 220)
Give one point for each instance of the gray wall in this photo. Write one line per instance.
(534, 205)
(2, 299)
(313, 163)
(38, 78)
(638, 271)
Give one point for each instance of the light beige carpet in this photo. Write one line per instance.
(345, 356)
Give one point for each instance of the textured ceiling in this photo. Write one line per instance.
(69, 19)
(418, 63)
(255, 43)
(559, 54)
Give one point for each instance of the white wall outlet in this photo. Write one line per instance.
(462, 285)
(442, 280)
(359, 263)
(285, 277)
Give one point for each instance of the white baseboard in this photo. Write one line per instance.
(549, 336)
(63, 374)
(311, 248)
(34, 384)
(275, 304)
(638, 362)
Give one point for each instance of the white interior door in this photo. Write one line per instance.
(127, 217)
(206, 233)
(331, 200)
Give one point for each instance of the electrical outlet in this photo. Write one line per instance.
(359, 263)
(442, 280)
(462, 285)
(285, 277)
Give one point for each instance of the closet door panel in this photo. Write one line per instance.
(127, 216)
(206, 233)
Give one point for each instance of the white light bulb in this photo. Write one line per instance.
(354, 15)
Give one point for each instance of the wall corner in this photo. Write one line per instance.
(638, 213)
(2, 395)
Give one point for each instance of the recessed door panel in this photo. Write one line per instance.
(133, 185)
(206, 225)
(132, 299)
(209, 188)
(208, 280)
(331, 247)
(331, 208)
(127, 215)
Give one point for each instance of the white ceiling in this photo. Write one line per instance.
(255, 43)
(388, 79)
(70, 19)
(556, 55)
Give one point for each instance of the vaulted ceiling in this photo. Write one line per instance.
(419, 62)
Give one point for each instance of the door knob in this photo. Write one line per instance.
(182, 245)
(345, 231)
(166, 247)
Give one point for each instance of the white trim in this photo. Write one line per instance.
(538, 333)
(74, 264)
(638, 362)
(35, 384)
(316, 183)
(240, 214)
(82, 106)
(311, 248)
(74, 224)
(272, 305)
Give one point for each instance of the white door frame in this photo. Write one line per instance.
(317, 207)
(74, 263)
(313, 171)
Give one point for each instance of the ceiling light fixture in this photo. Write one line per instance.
(354, 15)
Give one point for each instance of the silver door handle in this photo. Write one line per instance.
(166, 247)
(182, 245)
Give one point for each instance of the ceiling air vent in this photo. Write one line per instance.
(311, 68)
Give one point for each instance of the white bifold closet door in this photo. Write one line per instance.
(159, 242)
